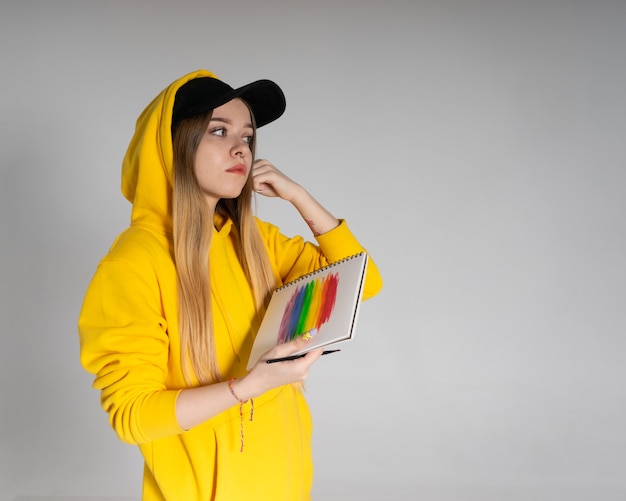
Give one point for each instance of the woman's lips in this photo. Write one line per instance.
(240, 169)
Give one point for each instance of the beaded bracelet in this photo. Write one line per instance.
(241, 402)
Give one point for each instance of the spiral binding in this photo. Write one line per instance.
(319, 270)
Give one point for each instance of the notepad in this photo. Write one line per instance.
(323, 304)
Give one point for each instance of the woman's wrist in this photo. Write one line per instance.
(299, 196)
(241, 388)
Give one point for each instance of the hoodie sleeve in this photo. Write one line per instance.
(294, 257)
(124, 342)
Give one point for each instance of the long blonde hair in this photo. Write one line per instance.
(193, 223)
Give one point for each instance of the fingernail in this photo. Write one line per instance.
(308, 335)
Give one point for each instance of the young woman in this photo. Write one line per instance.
(169, 318)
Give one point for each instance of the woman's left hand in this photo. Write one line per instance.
(267, 180)
(270, 182)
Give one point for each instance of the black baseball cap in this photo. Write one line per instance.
(203, 94)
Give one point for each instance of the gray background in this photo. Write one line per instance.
(476, 148)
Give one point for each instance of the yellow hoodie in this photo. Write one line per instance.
(128, 329)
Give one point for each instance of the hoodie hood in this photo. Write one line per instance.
(147, 169)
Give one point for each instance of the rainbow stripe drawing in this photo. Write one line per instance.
(309, 307)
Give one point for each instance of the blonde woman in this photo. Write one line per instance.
(169, 318)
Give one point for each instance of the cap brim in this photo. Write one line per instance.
(201, 95)
(265, 98)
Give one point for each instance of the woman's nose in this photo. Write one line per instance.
(240, 148)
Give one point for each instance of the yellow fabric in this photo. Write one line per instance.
(128, 330)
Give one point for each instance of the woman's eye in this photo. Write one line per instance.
(222, 132)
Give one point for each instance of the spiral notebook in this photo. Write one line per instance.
(322, 305)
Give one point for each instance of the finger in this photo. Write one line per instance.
(262, 164)
(313, 355)
(262, 174)
(287, 349)
(264, 189)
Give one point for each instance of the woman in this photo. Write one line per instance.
(170, 316)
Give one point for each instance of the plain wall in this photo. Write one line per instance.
(476, 147)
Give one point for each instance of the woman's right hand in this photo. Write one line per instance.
(263, 376)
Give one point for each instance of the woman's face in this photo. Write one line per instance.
(223, 158)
